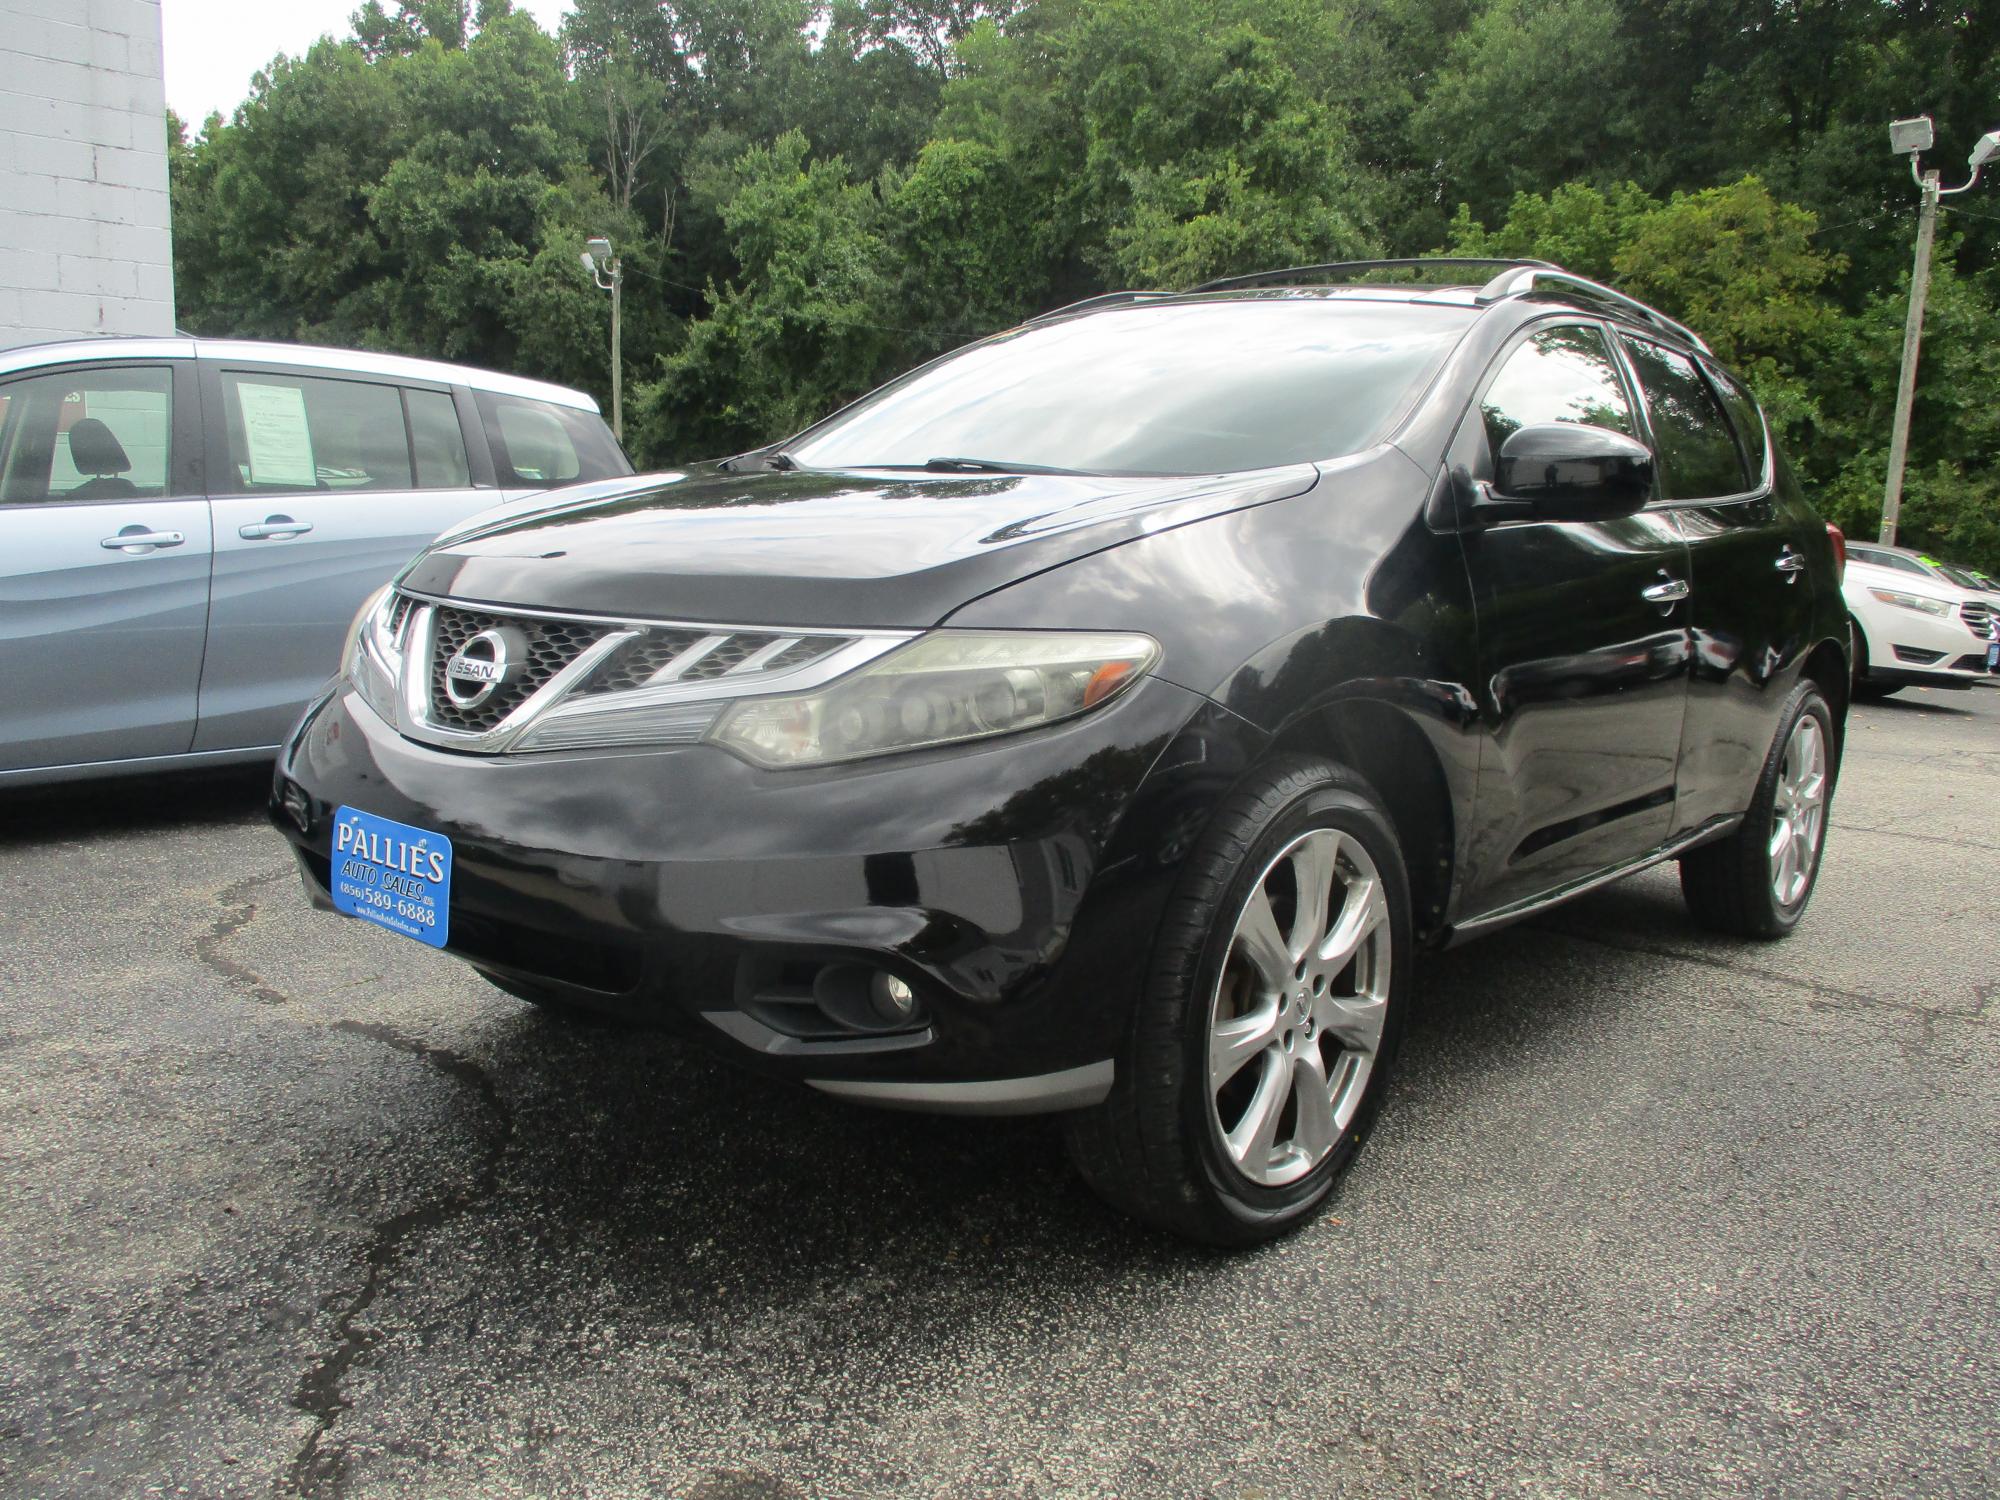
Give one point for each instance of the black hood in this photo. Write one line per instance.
(810, 547)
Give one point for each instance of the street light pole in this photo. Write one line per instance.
(1913, 335)
(1912, 138)
(604, 269)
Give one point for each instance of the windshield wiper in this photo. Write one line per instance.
(769, 461)
(989, 466)
(970, 466)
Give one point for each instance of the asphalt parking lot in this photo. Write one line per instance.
(291, 1206)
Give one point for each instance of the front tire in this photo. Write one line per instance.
(1756, 882)
(1864, 690)
(1274, 1003)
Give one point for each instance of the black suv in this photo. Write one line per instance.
(1098, 718)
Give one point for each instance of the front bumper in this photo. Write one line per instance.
(1908, 648)
(1014, 886)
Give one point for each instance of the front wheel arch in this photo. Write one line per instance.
(1383, 745)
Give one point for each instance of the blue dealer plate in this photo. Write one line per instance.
(393, 875)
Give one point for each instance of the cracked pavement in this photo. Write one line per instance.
(292, 1207)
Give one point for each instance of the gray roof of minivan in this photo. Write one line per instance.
(25, 357)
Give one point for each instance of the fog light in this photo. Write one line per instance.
(861, 997)
(893, 1000)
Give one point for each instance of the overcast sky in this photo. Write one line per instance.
(213, 46)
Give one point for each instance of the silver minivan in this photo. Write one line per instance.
(187, 526)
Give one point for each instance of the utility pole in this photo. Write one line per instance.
(1913, 138)
(1913, 335)
(605, 271)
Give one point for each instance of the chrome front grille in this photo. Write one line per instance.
(1978, 619)
(568, 682)
(551, 646)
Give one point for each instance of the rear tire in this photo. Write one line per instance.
(1274, 1002)
(1756, 882)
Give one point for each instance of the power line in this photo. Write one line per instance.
(1871, 220)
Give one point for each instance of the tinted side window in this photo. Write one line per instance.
(1697, 452)
(436, 441)
(301, 432)
(87, 435)
(1559, 375)
(1897, 561)
(1748, 418)
(538, 444)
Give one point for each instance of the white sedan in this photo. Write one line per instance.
(1915, 630)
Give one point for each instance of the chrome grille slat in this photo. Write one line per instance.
(762, 657)
(645, 660)
(726, 657)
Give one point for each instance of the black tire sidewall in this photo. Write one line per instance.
(1255, 1210)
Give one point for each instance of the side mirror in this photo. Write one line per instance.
(1566, 471)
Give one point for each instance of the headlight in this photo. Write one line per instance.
(364, 657)
(943, 689)
(1942, 608)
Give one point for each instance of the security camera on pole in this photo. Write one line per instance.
(603, 267)
(1912, 138)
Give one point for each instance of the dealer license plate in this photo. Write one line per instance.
(393, 875)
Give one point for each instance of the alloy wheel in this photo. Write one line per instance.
(1798, 811)
(1295, 1024)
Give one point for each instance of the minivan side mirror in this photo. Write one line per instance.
(1567, 471)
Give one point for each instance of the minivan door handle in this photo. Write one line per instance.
(138, 540)
(1669, 592)
(273, 526)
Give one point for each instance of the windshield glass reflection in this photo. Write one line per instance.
(1201, 388)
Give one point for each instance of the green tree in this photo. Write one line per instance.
(1732, 262)
(1951, 500)
(1531, 94)
(428, 197)
(796, 330)
(1170, 140)
(957, 277)
(426, 184)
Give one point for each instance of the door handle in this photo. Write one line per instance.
(137, 539)
(1790, 563)
(1669, 592)
(273, 526)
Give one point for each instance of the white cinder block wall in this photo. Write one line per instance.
(85, 239)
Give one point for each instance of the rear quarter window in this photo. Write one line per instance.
(539, 444)
(1749, 420)
(1699, 459)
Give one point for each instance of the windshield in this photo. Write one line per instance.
(1191, 388)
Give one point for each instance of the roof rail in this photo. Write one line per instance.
(1103, 299)
(1407, 263)
(1525, 280)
